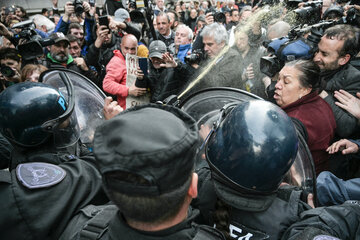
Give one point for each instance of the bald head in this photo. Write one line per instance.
(278, 29)
(129, 45)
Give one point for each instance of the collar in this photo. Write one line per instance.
(119, 227)
(185, 46)
(306, 99)
(70, 59)
(327, 74)
(119, 54)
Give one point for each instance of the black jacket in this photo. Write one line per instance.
(346, 78)
(106, 222)
(90, 74)
(43, 212)
(167, 41)
(266, 220)
(341, 221)
(164, 82)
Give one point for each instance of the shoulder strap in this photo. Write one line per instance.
(206, 232)
(98, 225)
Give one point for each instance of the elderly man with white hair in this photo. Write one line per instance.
(224, 61)
(183, 42)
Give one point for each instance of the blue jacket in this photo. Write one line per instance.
(183, 51)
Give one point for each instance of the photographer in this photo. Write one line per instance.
(78, 7)
(10, 61)
(164, 32)
(182, 44)
(166, 76)
(224, 70)
(101, 51)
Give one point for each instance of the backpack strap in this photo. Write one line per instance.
(208, 233)
(98, 225)
(5, 176)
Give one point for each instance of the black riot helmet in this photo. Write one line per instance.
(252, 147)
(31, 113)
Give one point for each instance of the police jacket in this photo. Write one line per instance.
(106, 222)
(346, 78)
(339, 221)
(250, 215)
(38, 199)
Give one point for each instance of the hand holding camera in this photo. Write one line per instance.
(101, 33)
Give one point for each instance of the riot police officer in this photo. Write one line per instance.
(146, 157)
(249, 152)
(44, 186)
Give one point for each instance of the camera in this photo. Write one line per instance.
(132, 4)
(310, 13)
(7, 71)
(138, 15)
(34, 46)
(218, 16)
(78, 6)
(27, 29)
(286, 49)
(195, 57)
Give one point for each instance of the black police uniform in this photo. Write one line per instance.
(106, 222)
(264, 217)
(247, 168)
(38, 199)
(161, 152)
(327, 223)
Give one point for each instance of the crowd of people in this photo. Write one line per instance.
(151, 171)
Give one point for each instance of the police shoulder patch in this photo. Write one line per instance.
(39, 175)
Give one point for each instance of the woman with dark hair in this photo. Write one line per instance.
(296, 92)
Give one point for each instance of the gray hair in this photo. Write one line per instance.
(217, 31)
(245, 8)
(41, 20)
(190, 32)
(163, 14)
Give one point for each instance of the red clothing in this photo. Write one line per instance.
(319, 121)
(115, 79)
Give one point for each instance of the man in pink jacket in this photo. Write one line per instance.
(115, 80)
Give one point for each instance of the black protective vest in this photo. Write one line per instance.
(271, 223)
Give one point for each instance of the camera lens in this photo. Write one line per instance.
(7, 71)
(78, 6)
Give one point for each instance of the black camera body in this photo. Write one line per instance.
(7, 71)
(27, 29)
(78, 6)
(218, 16)
(310, 13)
(195, 57)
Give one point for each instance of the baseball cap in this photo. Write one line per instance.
(121, 15)
(58, 37)
(155, 142)
(157, 48)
